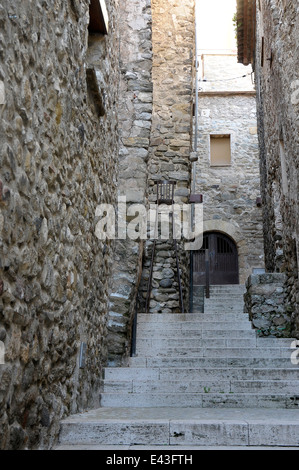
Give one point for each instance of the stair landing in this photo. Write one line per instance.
(181, 427)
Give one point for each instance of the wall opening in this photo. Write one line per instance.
(220, 150)
(223, 260)
(98, 17)
(98, 29)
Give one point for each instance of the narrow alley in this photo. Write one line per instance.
(149, 224)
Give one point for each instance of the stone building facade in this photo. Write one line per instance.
(59, 80)
(272, 48)
(231, 186)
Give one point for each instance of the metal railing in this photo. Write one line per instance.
(207, 265)
(134, 333)
(165, 195)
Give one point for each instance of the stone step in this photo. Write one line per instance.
(227, 296)
(224, 295)
(181, 427)
(211, 352)
(223, 309)
(227, 290)
(220, 292)
(197, 333)
(280, 342)
(200, 400)
(217, 296)
(203, 386)
(144, 344)
(224, 306)
(165, 449)
(220, 373)
(216, 291)
(251, 342)
(189, 317)
(195, 325)
(206, 362)
(227, 299)
(227, 287)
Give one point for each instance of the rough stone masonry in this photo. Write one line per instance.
(171, 141)
(155, 115)
(135, 121)
(276, 65)
(58, 160)
(268, 39)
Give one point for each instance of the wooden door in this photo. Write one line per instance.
(223, 258)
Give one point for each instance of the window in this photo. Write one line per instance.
(98, 27)
(220, 150)
(98, 17)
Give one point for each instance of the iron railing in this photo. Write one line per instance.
(207, 264)
(165, 195)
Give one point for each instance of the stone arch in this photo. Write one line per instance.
(216, 225)
(234, 232)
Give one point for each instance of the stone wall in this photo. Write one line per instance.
(276, 66)
(228, 107)
(170, 140)
(221, 72)
(264, 300)
(135, 115)
(59, 151)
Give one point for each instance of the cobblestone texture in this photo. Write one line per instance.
(278, 105)
(58, 161)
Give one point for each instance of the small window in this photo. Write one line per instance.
(220, 147)
(98, 17)
(98, 26)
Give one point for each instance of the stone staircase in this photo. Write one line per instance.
(226, 299)
(201, 379)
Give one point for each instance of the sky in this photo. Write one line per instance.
(215, 25)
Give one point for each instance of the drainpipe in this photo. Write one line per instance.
(196, 101)
(193, 175)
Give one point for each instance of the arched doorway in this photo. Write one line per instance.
(223, 260)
